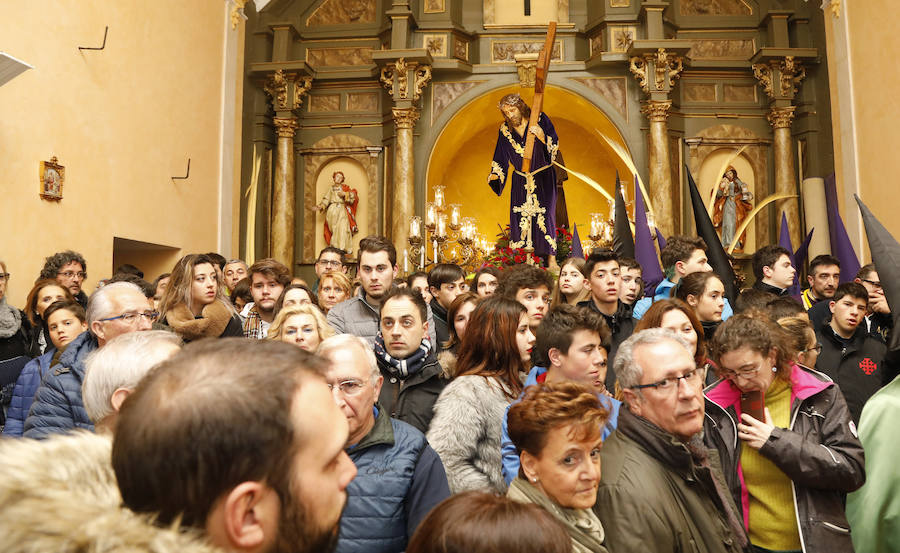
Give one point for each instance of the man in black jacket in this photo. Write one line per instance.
(773, 270)
(854, 358)
(445, 283)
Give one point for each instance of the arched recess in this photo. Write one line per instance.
(339, 152)
(460, 158)
(714, 145)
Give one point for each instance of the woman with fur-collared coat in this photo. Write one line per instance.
(465, 430)
(195, 304)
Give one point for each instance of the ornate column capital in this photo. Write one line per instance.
(656, 71)
(526, 66)
(396, 77)
(285, 126)
(405, 118)
(781, 118)
(287, 89)
(656, 110)
(780, 78)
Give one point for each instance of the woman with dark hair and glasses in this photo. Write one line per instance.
(797, 455)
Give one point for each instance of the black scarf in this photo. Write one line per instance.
(402, 368)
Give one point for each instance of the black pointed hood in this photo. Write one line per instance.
(718, 259)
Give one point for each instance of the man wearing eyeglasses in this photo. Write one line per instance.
(69, 269)
(330, 259)
(399, 476)
(662, 488)
(114, 310)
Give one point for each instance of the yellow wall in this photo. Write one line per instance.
(864, 81)
(122, 121)
(461, 158)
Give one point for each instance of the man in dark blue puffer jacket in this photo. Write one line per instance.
(400, 477)
(115, 309)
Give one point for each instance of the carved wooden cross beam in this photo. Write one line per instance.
(543, 65)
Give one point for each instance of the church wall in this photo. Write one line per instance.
(862, 37)
(123, 121)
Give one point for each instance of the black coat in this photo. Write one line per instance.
(441, 325)
(621, 325)
(412, 400)
(860, 369)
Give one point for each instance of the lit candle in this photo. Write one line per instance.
(454, 215)
(430, 215)
(414, 226)
(439, 196)
(405, 262)
(442, 226)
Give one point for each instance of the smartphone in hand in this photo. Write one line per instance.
(753, 403)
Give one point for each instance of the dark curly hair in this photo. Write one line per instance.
(57, 261)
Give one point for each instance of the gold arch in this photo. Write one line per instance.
(461, 157)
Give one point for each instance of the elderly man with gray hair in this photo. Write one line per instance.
(400, 477)
(662, 488)
(115, 370)
(115, 309)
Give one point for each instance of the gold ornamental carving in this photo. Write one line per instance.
(405, 118)
(781, 118)
(395, 78)
(300, 88)
(656, 71)
(285, 126)
(792, 73)
(276, 87)
(526, 67)
(237, 13)
(656, 110)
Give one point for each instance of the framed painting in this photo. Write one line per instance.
(52, 175)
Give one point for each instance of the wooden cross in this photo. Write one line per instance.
(543, 65)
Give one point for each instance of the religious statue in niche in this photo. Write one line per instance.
(509, 150)
(339, 205)
(52, 176)
(731, 208)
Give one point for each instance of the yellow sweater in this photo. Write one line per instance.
(773, 521)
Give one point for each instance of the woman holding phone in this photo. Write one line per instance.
(797, 456)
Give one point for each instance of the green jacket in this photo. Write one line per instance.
(874, 509)
(655, 497)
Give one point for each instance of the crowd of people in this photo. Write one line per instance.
(227, 407)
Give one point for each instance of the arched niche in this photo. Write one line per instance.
(354, 156)
(712, 147)
(460, 159)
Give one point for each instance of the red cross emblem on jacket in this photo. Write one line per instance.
(868, 366)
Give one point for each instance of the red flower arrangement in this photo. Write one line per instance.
(505, 256)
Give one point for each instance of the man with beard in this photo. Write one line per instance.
(510, 149)
(69, 269)
(376, 270)
(268, 278)
(241, 441)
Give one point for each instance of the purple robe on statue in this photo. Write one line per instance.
(510, 147)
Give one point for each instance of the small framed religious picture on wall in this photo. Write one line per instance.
(53, 175)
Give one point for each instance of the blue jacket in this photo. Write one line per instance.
(23, 393)
(511, 457)
(399, 480)
(57, 406)
(663, 291)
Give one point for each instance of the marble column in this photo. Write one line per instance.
(283, 193)
(661, 186)
(403, 204)
(785, 176)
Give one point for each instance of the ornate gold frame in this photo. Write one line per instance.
(48, 190)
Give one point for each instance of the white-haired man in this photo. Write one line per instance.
(662, 488)
(400, 477)
(115, 370)
(115, 309)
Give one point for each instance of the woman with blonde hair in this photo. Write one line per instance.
(302, 325)
(571, 286)
(802, 339)
(194, 303)
(334, 287)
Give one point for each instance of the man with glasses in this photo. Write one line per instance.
(399, 476)
(69, 269)
(662, 488)
(115, 309)
(330, 259)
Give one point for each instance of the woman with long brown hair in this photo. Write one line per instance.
(44, 292)
(465, 430)
(571, 286)
(194, 303)
(705, 293)
(681, 319)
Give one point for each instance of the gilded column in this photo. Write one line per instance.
(785, 177)
(287, 91)
(283, 193)
(780, 78)
(656, 70)
(405, 79)
(661, 188)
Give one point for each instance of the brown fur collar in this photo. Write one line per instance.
(214, 319)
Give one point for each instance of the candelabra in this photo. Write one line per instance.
(602, 230)
(452, 238)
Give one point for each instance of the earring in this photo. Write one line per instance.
(534, 480)
(774, 369)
